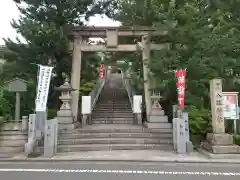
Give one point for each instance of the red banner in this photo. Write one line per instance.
(181, 85)
(101, 71)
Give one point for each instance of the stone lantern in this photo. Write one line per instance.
(64, 115)
(157, 117)
(156, 107)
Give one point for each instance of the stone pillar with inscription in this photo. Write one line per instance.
(218, 142)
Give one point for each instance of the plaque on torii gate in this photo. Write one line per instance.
(111, 34)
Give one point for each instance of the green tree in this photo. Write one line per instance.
(44, 24)
(204, 39)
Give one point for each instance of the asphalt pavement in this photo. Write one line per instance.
(118, 171)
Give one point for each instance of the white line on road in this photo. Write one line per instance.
(123, 172)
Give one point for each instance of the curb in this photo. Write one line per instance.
(49, 160)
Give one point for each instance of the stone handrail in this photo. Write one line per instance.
(128, 88)
(136, 106)
(94, 94)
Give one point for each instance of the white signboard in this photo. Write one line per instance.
(86, 105)
(137, 104)
(230, 105)
(44, 78)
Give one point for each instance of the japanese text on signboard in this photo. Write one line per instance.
(181, 85)
(44, 78)
(101, 71)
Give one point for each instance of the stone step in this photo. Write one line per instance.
(13, 143)
(109, 147)
(103, 118)
(109, 128)
(13, 137)
(110, 106)
(8, 150)
(109, 97)
(118, 98)
(112, 121)
(113, 100)
(158, 125)
(106, 100)
(113, 110)
(115, 92)
(122, 109)
(113, 105)
(69, 126)
(75, 135)
(112, 115)
(115, 141)
(112, 92)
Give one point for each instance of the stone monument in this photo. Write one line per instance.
(16, 85)
(157, 117)
(218, 142)
(65, 116)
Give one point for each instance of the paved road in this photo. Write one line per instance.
(118, 171)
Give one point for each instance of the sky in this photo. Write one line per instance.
(9, 11)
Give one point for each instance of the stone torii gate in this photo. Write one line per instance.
(78, 45)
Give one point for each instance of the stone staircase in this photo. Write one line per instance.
(107, 137)
(12, 142)
(112, 126)
(113, 106)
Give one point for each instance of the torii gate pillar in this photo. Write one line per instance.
(146, 55)
(76, 75)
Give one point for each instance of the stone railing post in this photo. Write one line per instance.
(189, 145)
(51, 137)
(137, 108)
(65, 114)
(24, 123)
(180, 138)
(86, 109)
(32, 127)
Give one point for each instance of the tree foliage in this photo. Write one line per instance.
(44, 26)
(204, 38)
